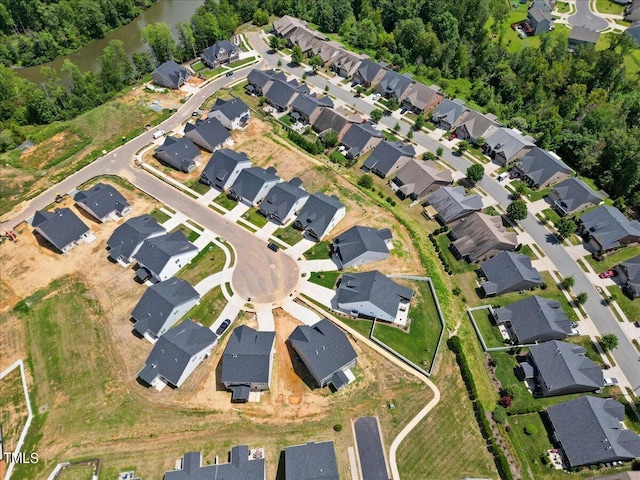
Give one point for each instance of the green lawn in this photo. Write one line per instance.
(631, 308)
(585, 342)
(242, 62)
(197, 66)
(457, 266)
(288, 235)
(210, 260)
(197, 186)
(607, 6)
(488, 328)
(326, 279)
(563, 7)
(214, 72)
(530, 194)
(255, 218)
(225, 202)
(191, 235)
(210, 306)
(160, 216)
(319, 251)
(613, 258)
(528, 251)
(531, 448)
(390, 136)
(551, 215)
(286, 119)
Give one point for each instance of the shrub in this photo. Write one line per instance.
(506, 401)
(313, 148)
(530, 429)
(337, 427)
(456, 291)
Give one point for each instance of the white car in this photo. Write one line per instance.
(375, 97)
(158, 134)
(502, 176)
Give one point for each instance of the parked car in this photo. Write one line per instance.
(375, 97)
(273, 246)
(223, 326)
(574, 324)
(575, 332)
(608, 274)
(158, 134)
(513, 175)
(501, 177)
(403, 111)
(228, 74)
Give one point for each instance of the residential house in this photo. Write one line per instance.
(509, 272)
(452, 203)
(259, 81)
(590, 431)
(286, 25)
(223, 168)
(338, 120)
(306, 108)
(360, 138)
(472, 125)
(373, 295)
(319, 215)
(170, 75)
(253, 184)
(629, 274)
(345, 63)
(126, 239)
(208, 134)
(573, 196)
(179, 153)
(505, 145)
(606, 228)
(448, 112)
(422, 98)
(388, 157)
(360, 245)
(162, 305)
(634, 31)
(281, 94)
(394, 86)
(220, 53)
(326, 352)
(247, 362)
(61, 228)
(416, 180)
(369, 73)
(233, 114)
(241, 466)
(632, 11)
(561, 368)
(480, 236)
(534, 319)
(313, 461)
(539, 18)
(297, 33)
(176, 355)
(582, 36)
(540, 168)
(103, 202)
(283, 201)
(163, 256)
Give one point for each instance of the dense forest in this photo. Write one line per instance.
(36, 31)
(584, 105)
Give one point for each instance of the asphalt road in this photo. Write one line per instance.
(585, 18)
(370, 449)
(260, 274)
(626, 356)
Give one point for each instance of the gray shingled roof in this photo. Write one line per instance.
(156, 252)
(583, 35)
(415, 178)
(128, 236)
(421, 96)
(357, 137)
(368, 70)
(448, 111)
(318, 212)
(562, 365)
(330, 120)
(282, 93)
(535, 318)
(261, 78)
(307, 104)
(359, 244)
(375, 288)
(207, 133)
(179, 153)
(394, 83)
(313, 461)
(240, 467)
(476, 124)
(508, 142)
(173, 351)
(388, 155)
(102, 199)
(222, 164)
(631, 271)
(61, 227)
(323, 348)
(608, 226)
(251, 180)
(220, 48)
(634, 31)
(452, 203)
(573, 193)
(247, 356)
(509, 271)
(157, 303)
(478, 234)
(541, 166)
(588, 428)
(281, 199)
(232, 109)
(170, 74)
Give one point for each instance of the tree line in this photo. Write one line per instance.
(36, 31)
(584, 106)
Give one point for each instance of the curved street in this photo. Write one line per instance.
(585, 18)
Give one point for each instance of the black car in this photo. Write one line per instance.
(229, 73)
(273, 246)
(223, 326)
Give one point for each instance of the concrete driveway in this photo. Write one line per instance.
(585, 18)
(300, 312)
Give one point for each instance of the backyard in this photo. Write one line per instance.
(457, 266)
(488, 328)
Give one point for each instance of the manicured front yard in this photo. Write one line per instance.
(191, 235)
(242, 62)
(210, 260)
(319, 251)
(631, 308)
(209, 307)
(607, 6)
(326, 279)
(528, 251)
(613, 258)
(288, 235)
(224, 201)
(255, 218)
(159, 215)
(197, 186)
